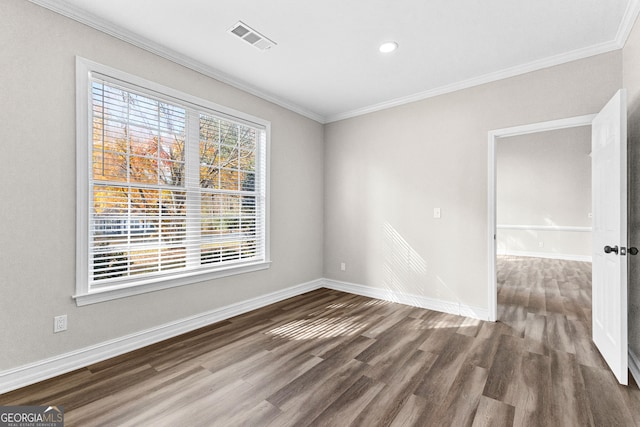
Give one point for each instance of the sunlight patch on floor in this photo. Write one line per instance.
(323, 327)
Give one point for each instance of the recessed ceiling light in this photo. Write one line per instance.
(387, 47)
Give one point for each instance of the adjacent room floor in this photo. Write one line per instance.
(328, 358)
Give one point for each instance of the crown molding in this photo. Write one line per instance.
(628, 20)
(70, 11)
(624, 30)
(62, 7)
(480, 80)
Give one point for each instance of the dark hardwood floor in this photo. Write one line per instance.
(328, 358)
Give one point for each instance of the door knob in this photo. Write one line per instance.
(633, 250)
(608, 249)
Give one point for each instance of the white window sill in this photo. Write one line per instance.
(108, 294)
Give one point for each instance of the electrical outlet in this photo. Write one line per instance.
(541, 244)
(60, 323)
(343, 266)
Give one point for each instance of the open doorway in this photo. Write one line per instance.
(501, 135)
(543, 235)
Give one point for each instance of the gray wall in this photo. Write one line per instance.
(386, 171)
(37, 196)
(544, 179)
(631, 81)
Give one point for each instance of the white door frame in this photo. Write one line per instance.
(494, 135)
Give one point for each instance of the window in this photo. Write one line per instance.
(172, 189)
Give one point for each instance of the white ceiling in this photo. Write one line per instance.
(326, 64)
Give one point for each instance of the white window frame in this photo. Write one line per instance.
(84, 295)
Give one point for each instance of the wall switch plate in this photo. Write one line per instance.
(343, 266)
(541, 244)
(589, 215)
(60, 323)
(436, 212)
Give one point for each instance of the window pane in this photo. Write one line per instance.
(209, 153)
(109, 136)
(247, 161)
(109, 263)
(209, 129)
(144, 261)
(172, 119)
(172, 173)
(209, 177)
(247, 138)
(228, 133)
(229, 179)
(171, 258)
(248, 209)
(143, 170)
(145, 202)
(110, 103)
(144, 229)
(109, 166)
(219, 206)
(247, 181)
(109, 200)
(172, 147)
(143, 141)
(228, 157)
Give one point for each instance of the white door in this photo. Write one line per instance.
(609, 183)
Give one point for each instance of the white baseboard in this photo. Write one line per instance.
(451, 307)
(550, 255)
(44, 369)
(41, 370)
(634, 366)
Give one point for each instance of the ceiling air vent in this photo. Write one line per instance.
(251, 36)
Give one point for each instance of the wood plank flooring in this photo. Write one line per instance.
(328, 358)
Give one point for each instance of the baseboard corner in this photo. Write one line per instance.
(443, 306)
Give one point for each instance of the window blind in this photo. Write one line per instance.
(174, 188)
